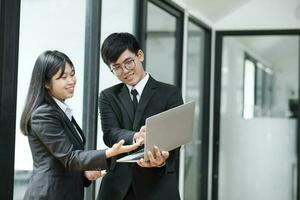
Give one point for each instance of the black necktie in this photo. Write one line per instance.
(134, 99)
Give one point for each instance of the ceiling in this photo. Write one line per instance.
(217, 10)
(255, 14)
(279, 51)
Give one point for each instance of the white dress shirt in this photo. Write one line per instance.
(139, 87)
(68, 111)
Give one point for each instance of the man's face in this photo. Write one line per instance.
(129, 67)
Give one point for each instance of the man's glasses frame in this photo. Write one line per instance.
(128, 64)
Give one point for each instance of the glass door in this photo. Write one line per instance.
(258, 118)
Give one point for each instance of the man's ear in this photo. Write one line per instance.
(140, 55)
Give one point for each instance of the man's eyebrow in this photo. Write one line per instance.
(117, 64)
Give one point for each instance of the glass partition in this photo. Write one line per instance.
(258, 129)
(161, 44)
(194, 91)
(47, 24)
(111, 23)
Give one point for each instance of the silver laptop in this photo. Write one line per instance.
(167, 130)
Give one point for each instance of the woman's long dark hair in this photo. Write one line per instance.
(45, 67)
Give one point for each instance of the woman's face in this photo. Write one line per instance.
(63, 87)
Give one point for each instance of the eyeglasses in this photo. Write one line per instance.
(118, 69)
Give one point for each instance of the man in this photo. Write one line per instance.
(123, 114)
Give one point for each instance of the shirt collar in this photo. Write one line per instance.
(67, 110)
(140, 85)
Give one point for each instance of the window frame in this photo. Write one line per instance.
(91, 80)
(9, 50)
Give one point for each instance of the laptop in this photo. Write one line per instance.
(167, 130)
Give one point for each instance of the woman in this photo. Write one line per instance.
(61, 167)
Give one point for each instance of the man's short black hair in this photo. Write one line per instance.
(115, 44)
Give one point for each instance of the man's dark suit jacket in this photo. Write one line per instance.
(118, 123)
(58, 156)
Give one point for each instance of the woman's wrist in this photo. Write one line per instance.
(108, 153)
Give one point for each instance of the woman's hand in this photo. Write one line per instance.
(93, 175)
(119, 148)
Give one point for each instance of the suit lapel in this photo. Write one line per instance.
(148, 91)
(70, 125)
(126, 101)
(74, 131)
(79, 130)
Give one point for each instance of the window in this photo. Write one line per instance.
(46, 25)
(164, 42)
(258, 88)
(249, 88)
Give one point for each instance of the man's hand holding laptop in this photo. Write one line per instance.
(156, 157)
(140, 136)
